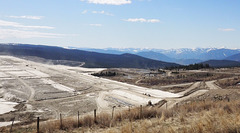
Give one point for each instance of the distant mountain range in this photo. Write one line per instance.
(91, 59)
(127, 57)
(182, 56)
(155, 56)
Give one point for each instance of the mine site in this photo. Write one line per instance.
(47, 90)
(31, 89)
(119, 66)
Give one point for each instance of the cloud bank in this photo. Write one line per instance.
(18, 25)
(9, 29)
(12, 33)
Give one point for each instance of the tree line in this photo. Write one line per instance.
(190, 67)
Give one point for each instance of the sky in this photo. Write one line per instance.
(161, 24)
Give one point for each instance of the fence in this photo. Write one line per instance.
(102, 119)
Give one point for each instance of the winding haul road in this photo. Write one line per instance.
(210, 85)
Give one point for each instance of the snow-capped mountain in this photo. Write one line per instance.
(182, 56)
(201, 53)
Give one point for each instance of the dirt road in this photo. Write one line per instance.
(195, 85)
(101, 103)
(31, 90)
(212, 86)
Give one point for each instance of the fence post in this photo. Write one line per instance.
(129, 113)
(140, 111)
(38, 125)
(12, 124)
(95, 116)
(60, 121)
(113, 111)
(112, 116)
(78, 119)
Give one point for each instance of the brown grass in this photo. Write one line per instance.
(139, 78)
(196, 116)
(183, 78)
(103, 120)
(229, 83)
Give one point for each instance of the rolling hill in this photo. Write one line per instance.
(222, 63)
(235, 57)
(91, 59)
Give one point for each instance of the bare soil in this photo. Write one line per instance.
(158, 79)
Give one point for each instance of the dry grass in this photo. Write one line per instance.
(144, 80)
(183, 78)
(229, 83)
(176, 89)
(103, 120)
(196, 116)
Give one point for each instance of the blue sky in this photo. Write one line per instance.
(162, 24)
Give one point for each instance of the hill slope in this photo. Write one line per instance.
(218, 54)
(222, 63)
(235, 57)
(91, 59)
(155, 56)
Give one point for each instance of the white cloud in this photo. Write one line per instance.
(102, 12)
(226, 29)
(84, 12)
(142, 20)
(18, 25)
(97, 25)
(153, 21)
(12, 33)
(27, 17)
(109, 2)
